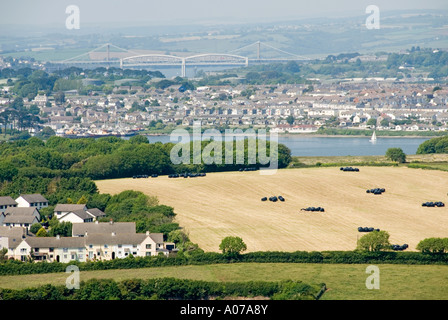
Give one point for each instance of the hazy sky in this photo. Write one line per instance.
(31, 12)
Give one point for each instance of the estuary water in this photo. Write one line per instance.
(336, 146)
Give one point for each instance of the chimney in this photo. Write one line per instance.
(147, 233)
(58, 237)
(96, 221)
(111, 221)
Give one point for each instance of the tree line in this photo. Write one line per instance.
(109, 157)
(435, 145)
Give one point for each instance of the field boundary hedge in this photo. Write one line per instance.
(14, 267)
(168, 289)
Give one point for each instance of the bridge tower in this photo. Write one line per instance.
(184, 69)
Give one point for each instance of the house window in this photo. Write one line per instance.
(65, 249)
(23, 258)
(36, 249)
(134, 253)
(148, 254)
(73, 256)
(119, 246)
(90, 246)
(23, 250)
(148, 246)
(106, 246)
(51, 249)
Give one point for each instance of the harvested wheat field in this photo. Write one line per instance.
(229, 204)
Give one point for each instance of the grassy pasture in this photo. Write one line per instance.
(344, 281)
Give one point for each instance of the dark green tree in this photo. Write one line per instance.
(232, 246)
(290, 120)
(396, 154)
(374, 241)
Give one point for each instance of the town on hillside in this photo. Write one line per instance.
(152, 104)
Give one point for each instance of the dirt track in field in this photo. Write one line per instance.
(229, 204)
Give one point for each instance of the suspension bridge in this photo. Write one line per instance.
(111, 55)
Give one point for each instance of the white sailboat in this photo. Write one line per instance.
(373, 138)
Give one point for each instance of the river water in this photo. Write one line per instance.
(336, 146)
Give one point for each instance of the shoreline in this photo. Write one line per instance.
(311, 135)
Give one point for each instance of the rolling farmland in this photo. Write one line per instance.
(229, 203)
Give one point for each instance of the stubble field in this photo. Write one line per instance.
(228, 204)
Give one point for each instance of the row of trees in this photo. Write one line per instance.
(29, 82)
(373, 241)
(18, 117)
(435, 61)
(113, 157)
(379, 241)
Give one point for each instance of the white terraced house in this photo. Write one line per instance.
(59, 249)
(90, 247)
(117, 246)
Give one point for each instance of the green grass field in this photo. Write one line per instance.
(344, 281)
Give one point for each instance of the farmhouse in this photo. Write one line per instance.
(32, 200)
